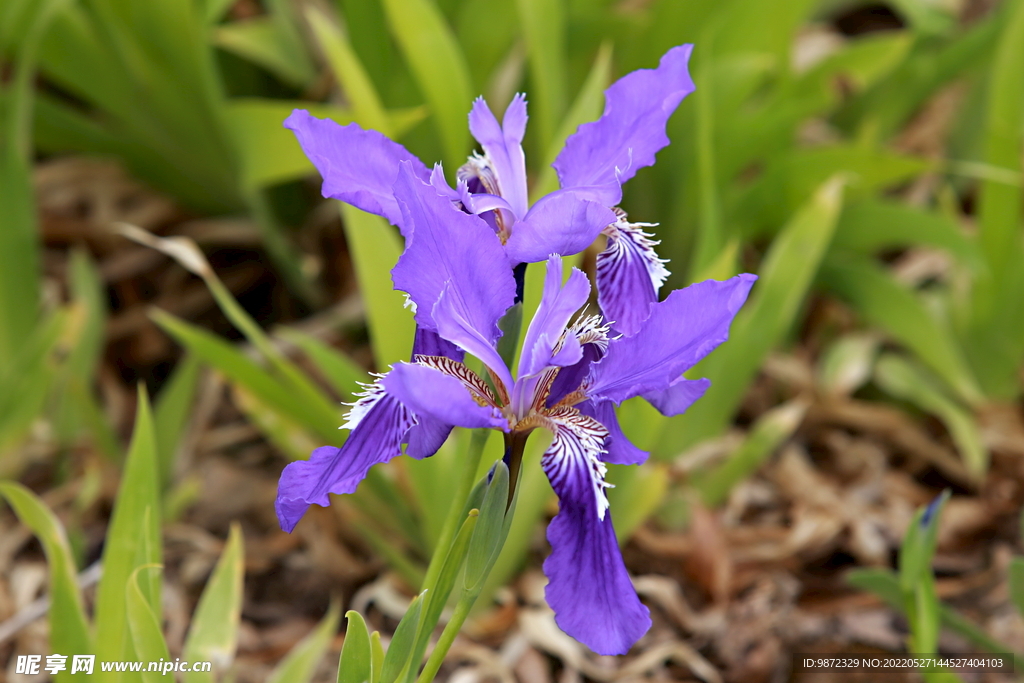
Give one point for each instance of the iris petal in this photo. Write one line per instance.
(588, 585)
(563, 222)
(450, 250)
(358, 166)
(603, 154)
(619, 450)
(382, 424)
(428, 391)
(502, 145)
(629, 275)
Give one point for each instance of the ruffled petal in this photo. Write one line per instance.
(619, 450)
(629, 275)
(563, 222)
(588, 586)
(557, 306)
(678, 397)
(426, 390)
(502, 145)
(358, 166)
(450, 250)
(680, 331)
(379, 423)
(603, 154)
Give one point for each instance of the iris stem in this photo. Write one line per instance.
(444, 643)
(454, 519)
(515, 444)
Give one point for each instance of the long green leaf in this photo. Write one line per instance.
(144, 625)
(439, 67)
(886, 303)
(69, 631)
(543, 27)
(375, 248)
(138, 492)
(172, 411)
(213, 635)
(354, 665)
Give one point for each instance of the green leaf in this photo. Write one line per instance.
(402, 643)
(69, 631)
(1016, 578)
(338, 368)
(785, 278)
(846, 364)
(172, 412)
(543, 26)
(271, 391)
(918, 547)
(376, 657)
(486, 541)
(767, 434)
(439, 67)
(887, 304)
(905, 380)
(996, 338)
(872, 226)
(213, 635)
(587, 107)
(144, 625)
(360, 92)
(792, 177)
(130, 525)
(262, 41)
(354, 665)
(300, 664)
(375, 248)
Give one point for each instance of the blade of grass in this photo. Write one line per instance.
(138, 491)
(172, 412)
(144, 625)
(543, 25)
(375, 248)
(213, 634)
(439, 67)
(887, 304)
(69, 631)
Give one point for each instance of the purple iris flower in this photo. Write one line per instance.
(570, 376)
(360, 167)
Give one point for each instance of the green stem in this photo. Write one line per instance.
(444, 643)
(455, 512)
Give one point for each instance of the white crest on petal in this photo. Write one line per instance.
(629, 241)
(591, 329)
(479, 166)
(576, 450)
(481, 393)
(409, 303)
(372, 393)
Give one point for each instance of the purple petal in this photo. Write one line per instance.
(680, 331)
(588, 586)
(570, 378)
(562, 222)
(679, 396)
(454, 250)
(557, 306)
(603, 154)
(629, 275)
(429, 343)
(358, 166)
(428, 391)
(619, 449)
(428, 435)
(376, 438)
(502, 146)
(453, 326)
